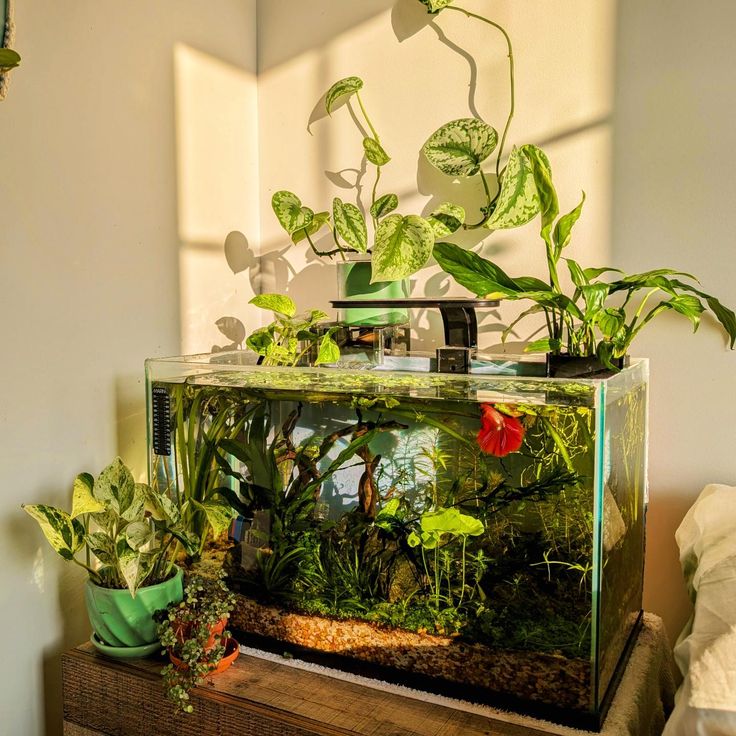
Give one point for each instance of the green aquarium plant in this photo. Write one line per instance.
(124, 535)
(436, 529)
(600, 316)
(402, 244)
(194, 633)
(290, 338)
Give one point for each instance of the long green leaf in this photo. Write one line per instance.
(479, 275)
(542, 172)
(459, 147)
(564, 226)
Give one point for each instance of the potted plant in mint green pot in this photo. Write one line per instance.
(126, 536)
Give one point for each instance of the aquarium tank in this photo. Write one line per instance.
(478, 535)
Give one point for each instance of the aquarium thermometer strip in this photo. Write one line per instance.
(487, 711)
(161, 413)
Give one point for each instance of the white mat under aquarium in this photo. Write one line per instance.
(642, 701)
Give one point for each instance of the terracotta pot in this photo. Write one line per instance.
(232, 651)
(183, 632)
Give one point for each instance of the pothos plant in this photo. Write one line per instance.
(290, 338)
(600, 318)
(402, 244)
(125, 532)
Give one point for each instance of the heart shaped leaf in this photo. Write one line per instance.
(384, 205)
(276, 303)
(458, 148)
(518, 202)
(344, 87)
(319, 220)
(403, 245)
(288, 209)
(446, 219)
(350, 224)
(374, 152)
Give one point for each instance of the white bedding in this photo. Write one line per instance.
(705, 704)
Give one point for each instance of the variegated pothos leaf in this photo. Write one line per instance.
(518, 202)
(134, 566)
(115, 487)
(219, 516)
(446, 219)
(403, 245)
(459, 147)
(350, 224)
(347, 86)
(319, 220)
(375, 152)
(384, 205)
(64, 534)
(278, 303)
(83, 500)
(289, 211)
(138, 534)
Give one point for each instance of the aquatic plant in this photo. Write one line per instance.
(435, 527)
(289, 338)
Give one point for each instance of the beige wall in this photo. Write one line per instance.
(673, 194)
(634, 103)
(99, 142)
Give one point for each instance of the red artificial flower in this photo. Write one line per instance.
(499, 433)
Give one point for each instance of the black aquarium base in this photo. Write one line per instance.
(568, 366)
(461, 691)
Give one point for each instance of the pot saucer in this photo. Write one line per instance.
(145, 650)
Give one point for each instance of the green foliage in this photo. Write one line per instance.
(125, 525)
(9, 59)
(343, 88)
(434, 6)
(403, 245)
(186, 630)
(601, 317)
(459, 147)
(289, 339)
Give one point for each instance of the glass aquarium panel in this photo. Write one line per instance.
(478, 534)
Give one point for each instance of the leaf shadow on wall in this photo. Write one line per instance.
(409, 17)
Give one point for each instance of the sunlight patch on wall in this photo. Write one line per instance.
(217, 166)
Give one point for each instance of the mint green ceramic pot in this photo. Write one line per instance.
(354, 282)
(120, 620)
